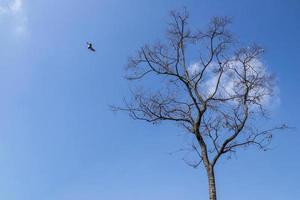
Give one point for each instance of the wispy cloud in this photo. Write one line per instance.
(15, 13)
(229, 82)
(16, 6)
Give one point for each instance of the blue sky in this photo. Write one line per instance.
(60, 141)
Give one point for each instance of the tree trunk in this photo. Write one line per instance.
(211, 183)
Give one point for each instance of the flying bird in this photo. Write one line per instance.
(90, 46)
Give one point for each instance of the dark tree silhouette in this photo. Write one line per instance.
(218, 99)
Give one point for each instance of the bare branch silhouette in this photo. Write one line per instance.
(218, 100)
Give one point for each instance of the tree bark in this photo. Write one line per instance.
(211, 183)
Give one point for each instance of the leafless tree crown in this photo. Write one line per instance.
(205, 82)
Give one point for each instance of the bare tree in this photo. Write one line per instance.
(208, 84)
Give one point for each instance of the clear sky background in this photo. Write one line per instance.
(60, 141)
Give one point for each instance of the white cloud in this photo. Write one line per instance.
(16, 6)
(13, 10)
(11, 7)
(194, 68)
(230, 83)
